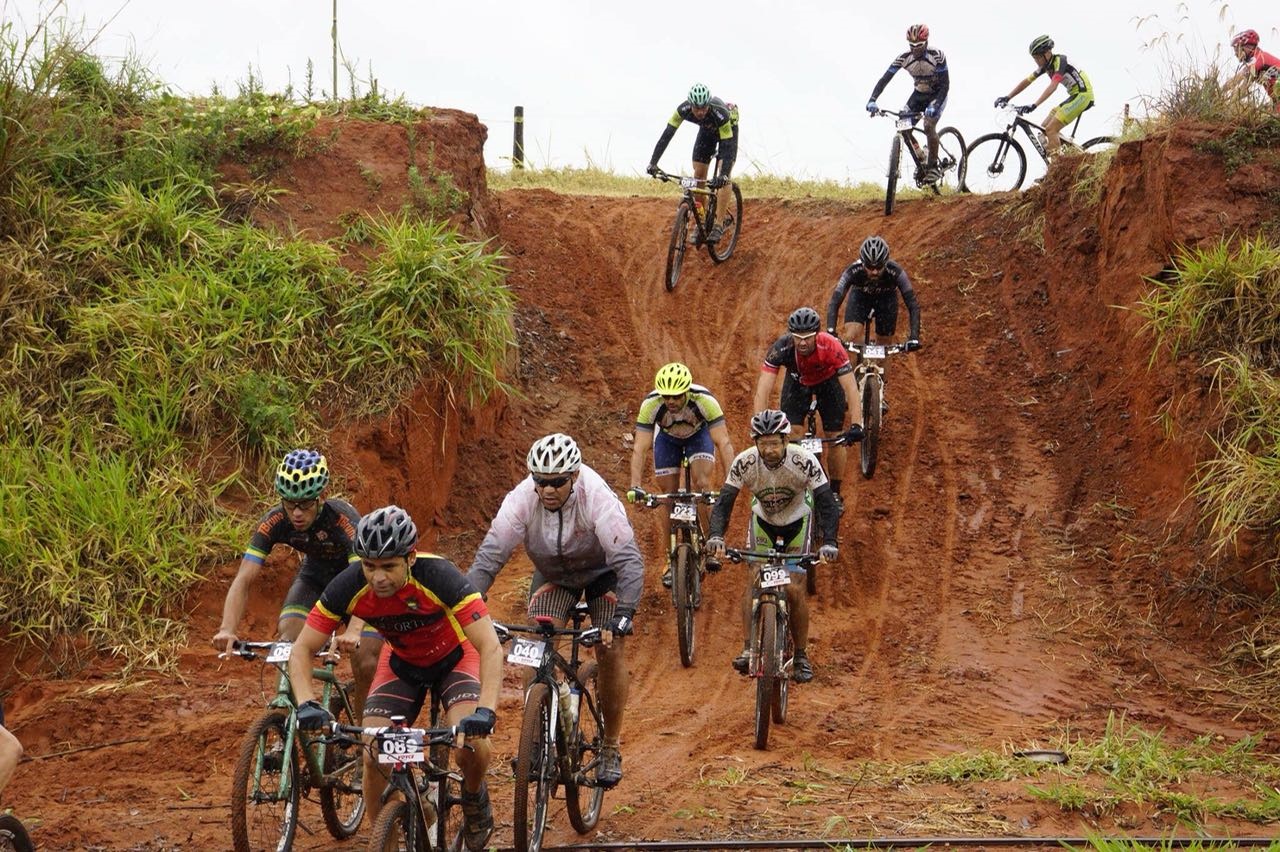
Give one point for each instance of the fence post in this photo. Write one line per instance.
(517, 141)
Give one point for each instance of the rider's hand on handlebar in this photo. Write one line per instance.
(718, 182)
(349, 640)
(1002, 102)
(622, 622)
(1025, 108)
(828, 553)
(224, 641)
(652, 170)
(313, 717)
(852, 435)
(871, 106)
(479, 723)
(931, 111)
(715, 547)
(912, 345)
(636, 494)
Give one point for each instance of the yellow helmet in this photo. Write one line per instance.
(673, 380)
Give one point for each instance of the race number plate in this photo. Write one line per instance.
(279, 652)
(905, 124)
(873, 352)
(400, 747)
(526, 652)
(688, 183)
(813, 445)
(684, 512)
(771, 578)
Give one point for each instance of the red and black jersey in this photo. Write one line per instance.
(828, 359)
(422, 622)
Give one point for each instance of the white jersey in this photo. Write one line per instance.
(779, 492)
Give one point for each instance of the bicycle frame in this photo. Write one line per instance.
(692, 188)
(1036, 133)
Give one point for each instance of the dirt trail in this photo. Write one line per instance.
(958, 618)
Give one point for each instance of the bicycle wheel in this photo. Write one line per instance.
(995, 163)
(951, 160)
(13, 835)
(811, 570)
(766, 641)
(895, 160)
(446, 831)
(535, 769)
(675, 252)
(1098, 143)
(395, 828)
(722, 249)
(340, 800)
(784, 674)
(583, 801)
(683, 578)
(265, 787)
(870, 426)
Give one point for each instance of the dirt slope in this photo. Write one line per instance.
(998, 574)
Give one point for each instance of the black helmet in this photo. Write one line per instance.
(384, 533)
(771, 421)
(874, 252)
(1040, 44)
(803, 321)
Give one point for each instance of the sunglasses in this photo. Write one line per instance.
(299, 505)
(674, 397)
(808, 336)
(556, 482)
(873, 270)
(915, 44)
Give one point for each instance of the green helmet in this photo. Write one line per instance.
(302, 475)
(1040, 44)
(699, 95)
(673, 380)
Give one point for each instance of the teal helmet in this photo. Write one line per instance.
(699, 95)
(302, 475)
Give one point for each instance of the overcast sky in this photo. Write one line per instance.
(598, 80)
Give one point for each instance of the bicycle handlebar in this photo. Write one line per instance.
(889, 349)
(246, 650)
(771, 555)
(895, 114)
(586, 638)
(651, 501)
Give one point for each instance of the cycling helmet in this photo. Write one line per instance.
(554, 455)
(1248, 38)
(302, 475)
(1040, 44)
(803, 321)
(384, 533)
(699, 95)
(673, 380)
(874, 252)
(771, 421)
(918, 32)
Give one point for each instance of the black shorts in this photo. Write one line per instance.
(885, 304)
(919, 100)
(704, 147)
(832, 406)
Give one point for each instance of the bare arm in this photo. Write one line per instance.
(485, 639)
(305, 647)
(720, 437)
(233, 606)
(764, 390)
(643, 443)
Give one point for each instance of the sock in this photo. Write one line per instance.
(835, 486)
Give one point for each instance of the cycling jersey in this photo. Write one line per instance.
(855, 278)
(721, 120)
(700, 410)
(929, 73)
(1265, 70)
(326, 544)
(828, 359)
(422, 622)
(588, 536)
(1062, 71)
(780, 493)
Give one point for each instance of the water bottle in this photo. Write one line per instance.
(1044, 142)
(575, 696)
(566, 719)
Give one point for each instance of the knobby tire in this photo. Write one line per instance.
(870, 446)
(13, 835)
(394, 827)
(722, 249)
(583, 802)
(536, 767)
(895, 163)
(1098, 142)
(342, 807)
(784, 680)
(996, 163)
(766, 635)
(679, 240)
(266, 824)
(951, 160)
(683, 588)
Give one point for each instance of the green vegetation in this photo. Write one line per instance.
(1220, 306)
(144, 325)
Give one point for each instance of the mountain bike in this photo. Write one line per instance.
(689, 215)
(997, 163)
(427, 812)
(13, 835)
(868, 376)
(277, 766)
(915, 141)
(562, 731)
(771, 647)
(686, 555)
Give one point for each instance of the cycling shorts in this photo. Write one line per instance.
(1073, 107)
(795, 536)
(668, 452)
(304, 593)
(832, 405)
(704, 147)
(557, 602)
(400, 688)
(919, 100)
(885, 304)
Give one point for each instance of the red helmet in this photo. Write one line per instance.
(1248, 38)
(920, 32)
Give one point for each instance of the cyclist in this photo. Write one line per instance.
(717, 131)
(928, 68)
(439, 638)
(786, 483)
(322, 529)
(576, 533)
(10, 752)
(873, 281)
(1079, 89)
(817, 365)
(678, 420)
(1256, 66)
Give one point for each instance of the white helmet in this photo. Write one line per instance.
(554, 455)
